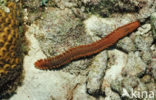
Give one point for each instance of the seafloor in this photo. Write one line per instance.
(124, 71)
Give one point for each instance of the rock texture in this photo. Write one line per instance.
(57, 25)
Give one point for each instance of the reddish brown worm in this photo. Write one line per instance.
(86, 50)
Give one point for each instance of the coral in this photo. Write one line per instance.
(10, 49)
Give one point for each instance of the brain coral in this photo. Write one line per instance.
(10, 48)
